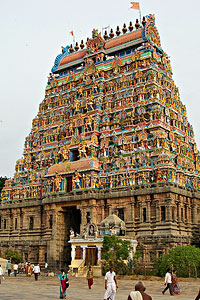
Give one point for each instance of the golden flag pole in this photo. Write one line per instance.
(140, 14)
(72, 33)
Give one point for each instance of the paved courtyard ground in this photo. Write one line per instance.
(48, 288)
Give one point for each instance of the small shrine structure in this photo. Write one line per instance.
(87, 249)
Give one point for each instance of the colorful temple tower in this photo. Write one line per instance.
(111, 137)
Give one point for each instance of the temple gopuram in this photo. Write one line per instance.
(110, 151)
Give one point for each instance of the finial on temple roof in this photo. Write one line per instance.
(111, 33)
(105, 35)
(130, 27)
(118, 31)
(143, 21)
(71, 50)
(76, 46)
(124, 29)
(137, 24)
(82, 44)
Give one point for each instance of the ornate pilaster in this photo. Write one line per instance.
(158, 216)
(148, 210)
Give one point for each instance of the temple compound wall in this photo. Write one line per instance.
(158, 218)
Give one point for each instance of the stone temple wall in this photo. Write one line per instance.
(158, 218)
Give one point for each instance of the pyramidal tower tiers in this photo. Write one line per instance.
(111, 117)
(111, 137)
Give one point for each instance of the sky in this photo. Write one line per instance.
(33, 31)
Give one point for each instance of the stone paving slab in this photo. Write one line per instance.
(48, 288)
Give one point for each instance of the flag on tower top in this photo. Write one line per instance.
(135, 5)
(72, 33)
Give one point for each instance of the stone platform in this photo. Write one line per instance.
(48, 288)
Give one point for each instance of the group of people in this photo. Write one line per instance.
(111, 286)
(9, 268)
(32, 269)
(29, 269)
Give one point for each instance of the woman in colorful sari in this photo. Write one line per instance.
(175, 285)
(63, 284)
(29, 270)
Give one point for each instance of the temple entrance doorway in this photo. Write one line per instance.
(91, 256)
(72, 221)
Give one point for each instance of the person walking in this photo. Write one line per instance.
(1, 273)
(110, 285)
(64, 284)
(175, 285)
(29, 270)
(15, 269)
(26, 269)
(168, 282)
(90, 277)
(36, 271)
(9, 267)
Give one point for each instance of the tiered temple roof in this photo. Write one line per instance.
(111, 118)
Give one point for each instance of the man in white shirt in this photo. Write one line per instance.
(168, 282)
(110, 285)
(15, 269)
(36, 271)
(1, 273)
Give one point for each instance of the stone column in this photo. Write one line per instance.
(83, 247)
(83, 219)
(194, 213)
(133, 211)
(189, 213)
(157, 211)
(140, 212)
(186, 213)
(102, 212)
(73, 252)
(99, 247)
(47, 214)
(169, 211)
(148, 211)
(93, 214)
(179, 211)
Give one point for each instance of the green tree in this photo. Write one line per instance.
(14, 256)
(116, 249)
(185, 259)
(116, 253)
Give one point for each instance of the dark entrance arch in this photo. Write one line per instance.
(72, 220)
